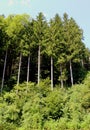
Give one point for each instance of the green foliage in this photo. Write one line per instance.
(38, 108)
(59, 38)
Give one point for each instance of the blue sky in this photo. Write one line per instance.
(78, 9)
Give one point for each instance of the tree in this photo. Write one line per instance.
(61, 48)
(39, 28)
(6, 44)
(30, 41)
(1, 47)
(17, 31)
(72, 36)
(52, 39)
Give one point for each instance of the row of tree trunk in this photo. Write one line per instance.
(28, 70)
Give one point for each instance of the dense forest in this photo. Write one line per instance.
(44, 74)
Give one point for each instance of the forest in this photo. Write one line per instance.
(44, 74)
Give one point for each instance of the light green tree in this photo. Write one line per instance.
(16, 30)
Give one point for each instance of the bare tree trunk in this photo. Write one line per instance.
(71, 73)
(4, 71)
(39, 65)
(82, 63)
(89, 59)
(28, 69)
(61, 76)
(51, 73)
(19, 68)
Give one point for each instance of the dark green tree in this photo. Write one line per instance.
(52, 41)
(40, 25)
(72, 36)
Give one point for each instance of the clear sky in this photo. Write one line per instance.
(78, 9)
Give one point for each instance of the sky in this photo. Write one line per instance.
(78, 9)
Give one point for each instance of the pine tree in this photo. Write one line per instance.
(39, 28)
(6, 44)
(16, 30)
(72, 36)
(52, 43)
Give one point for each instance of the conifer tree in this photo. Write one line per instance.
(17, 31)
(6, 44)
(52, 40)
(39, 29)
(72, 36)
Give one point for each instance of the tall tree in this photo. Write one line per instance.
(52, 40)
(30, 41)
(39, 29)
(61, 49)
(17, 31)
(6, 43)
(72, 36)
(1, 47)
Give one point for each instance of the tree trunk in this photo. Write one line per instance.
(28, 69)
(51, 73)
(61, 76)
(71, 73)
(89, 59)
(82, 63)
(19, 68)
(4, 71)
(39, 65)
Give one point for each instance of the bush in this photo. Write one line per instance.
(38, 108)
